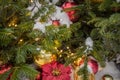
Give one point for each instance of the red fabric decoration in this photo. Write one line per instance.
(55, 71)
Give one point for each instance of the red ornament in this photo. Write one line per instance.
(4, 68)
(93, 65)
(56, 22)
(71, 13)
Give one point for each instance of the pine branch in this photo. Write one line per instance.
(24, 70)
(5, 75)
(6, 36)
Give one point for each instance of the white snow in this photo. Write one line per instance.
(64, 19)
(62, 16)
(41, 26)
(110, 69)
(54, 1)
(57, 15)
(89, 44)
(118, 1)
(34, 8)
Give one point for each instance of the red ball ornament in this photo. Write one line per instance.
(56, 22)
(71, 13)
(4, 68)
(93, 66)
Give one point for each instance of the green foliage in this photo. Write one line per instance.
(52, 34)
(23, 52)
(105, 5)
(19, 43)
(84, 71)
(5, 75)
(6, 36)
(108, 30)
(18, 72)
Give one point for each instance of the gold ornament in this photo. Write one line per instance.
(42, 59)
(79, 61)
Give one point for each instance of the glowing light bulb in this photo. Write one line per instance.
(21, 40)
(31, 1)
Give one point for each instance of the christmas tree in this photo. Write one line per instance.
(57, 39)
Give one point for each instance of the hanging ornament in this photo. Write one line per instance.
(56, 22)
(79, 61)
(71, 13)
(93, 66)
(44, 58)
(4, 68)
(107, 77)
(80, 77)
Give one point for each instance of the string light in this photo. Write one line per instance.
(61, 51)
(55, 48)
(21, 40)
(60, 55)
(72, 54)
(43, 51)
(37, 39)
(68, 47)
(15, 25)
(31, 1)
